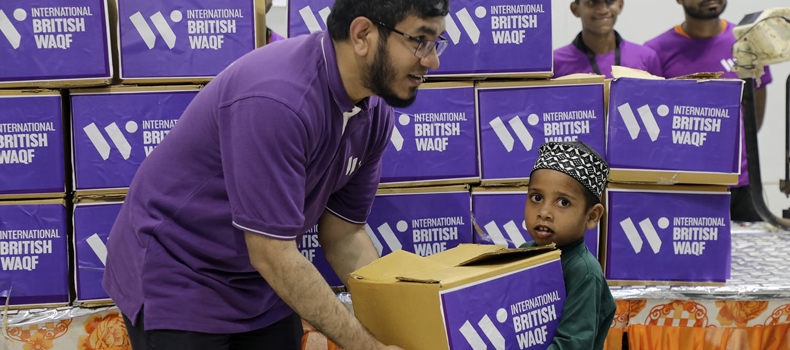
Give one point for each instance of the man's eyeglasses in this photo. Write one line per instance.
(424, 47)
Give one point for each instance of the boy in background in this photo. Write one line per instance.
(563, 201)
(598, 46)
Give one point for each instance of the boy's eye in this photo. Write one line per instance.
(535, 197)
(564, 202)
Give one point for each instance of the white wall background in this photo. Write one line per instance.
(642, 20)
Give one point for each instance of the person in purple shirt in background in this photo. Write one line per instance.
(598, 46)
(203, 254)
(703, 43)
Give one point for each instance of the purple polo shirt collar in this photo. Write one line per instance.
(339, 93)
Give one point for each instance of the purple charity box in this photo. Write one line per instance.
(423, 221)
(486, 37)
(468, 297)
(674, 129)
(54, 43)
(668, 233)
(499, 213)
(434, 139)
(515, 118)
(32, 160)
(310, 247)
(34, 253)
(92, 223)
(184, 40)
(504, 38)
(114, 129)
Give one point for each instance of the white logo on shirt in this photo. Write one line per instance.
(352, 165)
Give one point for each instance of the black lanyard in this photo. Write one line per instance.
(579, 43)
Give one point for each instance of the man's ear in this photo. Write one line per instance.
(575, 8)
(594, 215)
(363, 35)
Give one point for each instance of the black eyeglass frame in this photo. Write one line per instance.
(426, 46)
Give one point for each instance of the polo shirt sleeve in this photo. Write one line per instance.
(353, 202)
(262, 146)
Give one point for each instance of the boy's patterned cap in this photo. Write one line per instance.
(578, 161)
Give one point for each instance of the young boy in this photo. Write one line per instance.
(563, 201)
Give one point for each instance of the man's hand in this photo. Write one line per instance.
(303, 288)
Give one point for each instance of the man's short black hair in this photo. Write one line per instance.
(389, 12)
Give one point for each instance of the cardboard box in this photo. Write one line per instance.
(472, 296)
(32, 156)
(92, 221)
(176, 41)
(517, 117)
(492, 38)
(677, 131)
(54, 43)
(499, 215)
(435, 139)
(424, 220)
(667, 234)
(34, 259)
(114, 129)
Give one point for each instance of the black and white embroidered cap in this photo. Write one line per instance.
(578, 161)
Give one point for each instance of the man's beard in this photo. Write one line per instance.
(693, 12)
(378, 76)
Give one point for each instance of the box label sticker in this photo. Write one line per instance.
(435, 138)
(53, 40)
(521, 311)
(649, 242)
(31, 144)
(514, 122)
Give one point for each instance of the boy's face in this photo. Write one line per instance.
(598, 16)
(556, 210)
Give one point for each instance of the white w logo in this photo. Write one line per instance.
(311, 21)
(511, 229)
(352, 165)
(519, 129)
(116, 136)
(386, 232)
(161, 26)
(98, 247)
(647, 117)
(466, 21)
(648, 230)
(489, 329)
(8, 29)
(728, 64)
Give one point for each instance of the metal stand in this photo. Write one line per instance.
(753, 158)
(784, 185)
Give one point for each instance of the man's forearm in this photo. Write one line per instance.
(350, 253)
(301, 286)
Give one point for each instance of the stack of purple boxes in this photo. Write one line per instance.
(89, 89)
(673, 147)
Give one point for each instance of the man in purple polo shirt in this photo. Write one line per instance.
(703, 43)
(598, 46)
(203, 254)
